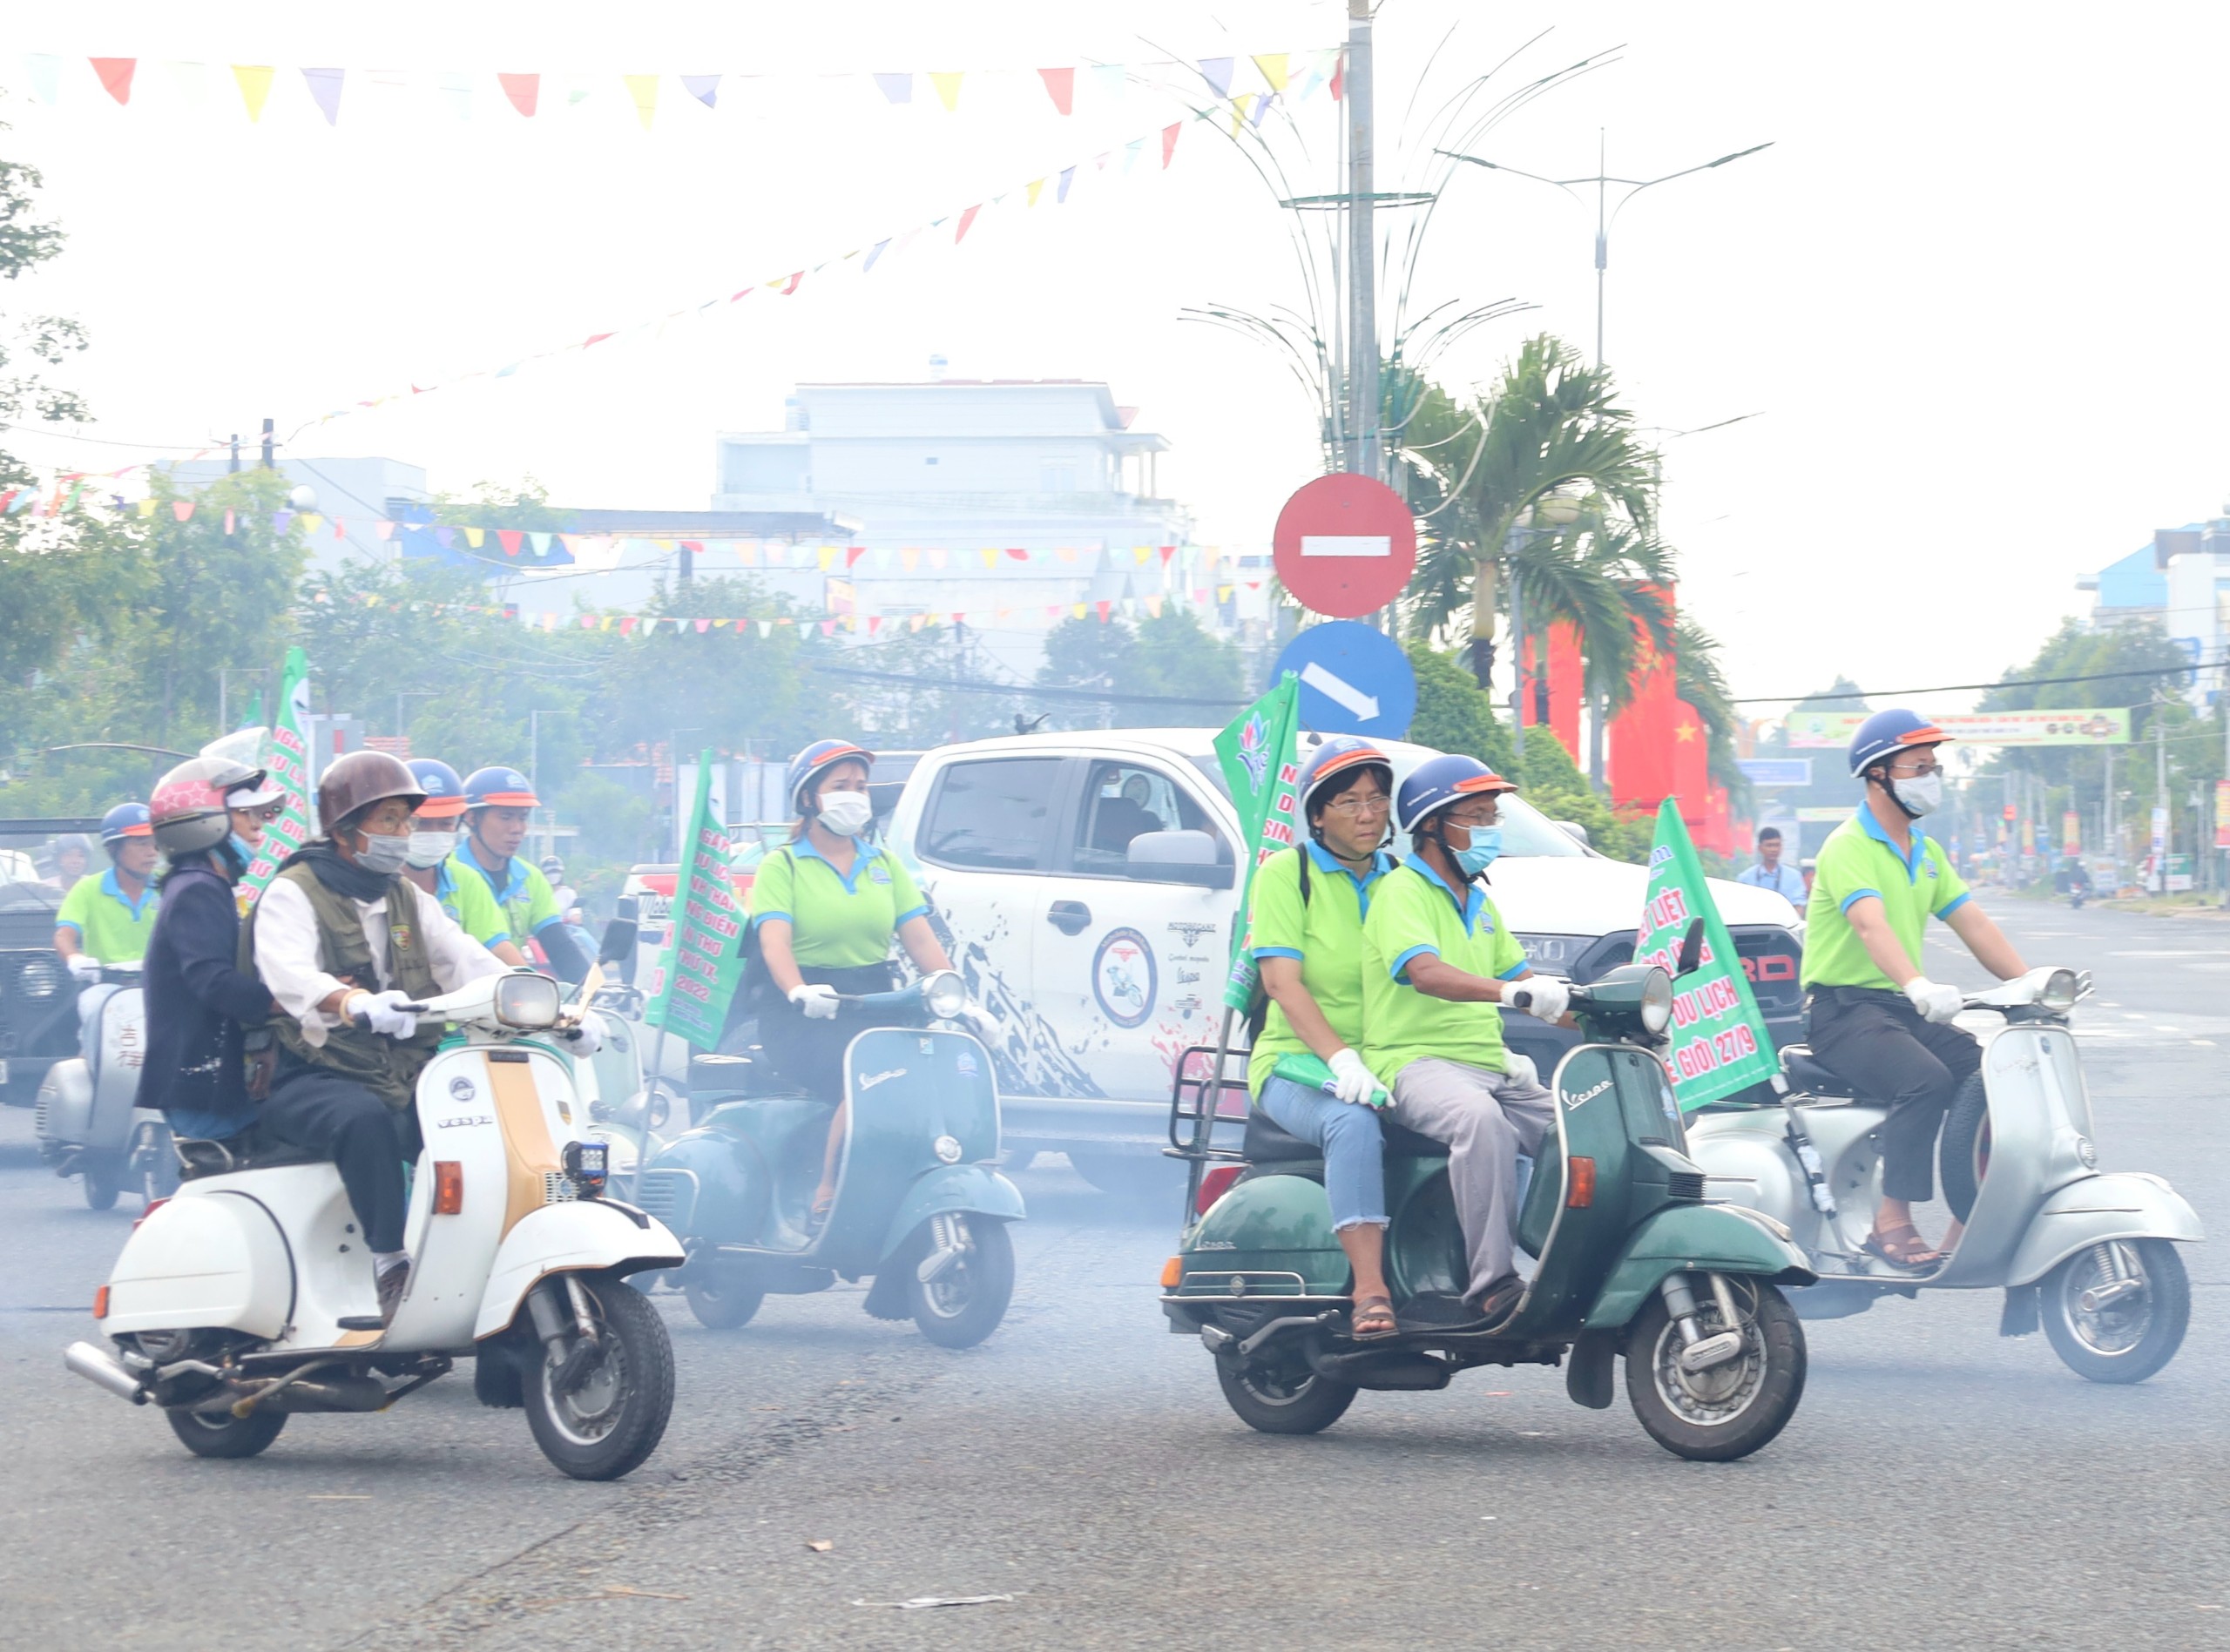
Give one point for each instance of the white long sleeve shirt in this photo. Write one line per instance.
(287, 955)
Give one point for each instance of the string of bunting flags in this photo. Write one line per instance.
(530, 94)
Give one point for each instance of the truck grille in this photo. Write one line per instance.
(670, 1196)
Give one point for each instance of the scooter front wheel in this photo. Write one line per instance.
(965, 1303)
(2122, 1335)
(1727, 1410)
(614, 1413)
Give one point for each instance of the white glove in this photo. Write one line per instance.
(1520, 1069)
(1544, 996)
(818, 1001)
(382, 1013)
(1935, 1000)
(85, 970)
(1352, 1082)
(588, 1037)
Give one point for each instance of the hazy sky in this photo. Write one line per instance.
(1973, 290)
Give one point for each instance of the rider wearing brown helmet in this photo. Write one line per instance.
(344, 941)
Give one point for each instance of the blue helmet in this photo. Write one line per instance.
(1440, 781)
(1341, 755)
(497, 787)
(1886, 733)
(444, 792)
(807, 767)
(126, 820)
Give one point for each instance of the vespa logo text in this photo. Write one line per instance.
(1587, 1094)
(463, 1119)
(869, 1081)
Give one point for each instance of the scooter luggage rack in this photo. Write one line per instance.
(1188, 1105)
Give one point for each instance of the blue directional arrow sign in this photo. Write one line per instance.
(1353, 680)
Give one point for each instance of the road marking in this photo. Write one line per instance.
(1346, 544)
(2203, 952)
(2203, 1044)
(1338, 688)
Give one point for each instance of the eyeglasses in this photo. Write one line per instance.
(1353, 804)
(266, 812)
(1920, 774)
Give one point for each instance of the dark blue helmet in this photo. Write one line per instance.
(444, 792)
(1886, 733)
(496, 787)
(1439, 781)
(126, 820)
(808, 765)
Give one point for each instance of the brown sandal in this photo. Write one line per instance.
(1901, 1247)
(1373, 1318)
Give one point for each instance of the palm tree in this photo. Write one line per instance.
(1550, 429)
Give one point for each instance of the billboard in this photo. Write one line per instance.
(2096, 725)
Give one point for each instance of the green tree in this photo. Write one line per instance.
(1453, 714)
(524, 503)
(1195, 676)
(31, 345)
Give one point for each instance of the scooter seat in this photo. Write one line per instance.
(198, 1158)
(1268, 1143)
(1809, 1076)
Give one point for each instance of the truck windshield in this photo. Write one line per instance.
(1525, 830)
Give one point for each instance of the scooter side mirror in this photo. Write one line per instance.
(619, 945)
(1692, 949)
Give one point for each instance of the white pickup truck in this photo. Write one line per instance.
(1086, 886)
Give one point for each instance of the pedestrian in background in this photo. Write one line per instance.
(1770, 872)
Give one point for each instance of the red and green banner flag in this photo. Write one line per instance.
(704, 961)
(1719, 1042)
(1259, 765)
(285, 758)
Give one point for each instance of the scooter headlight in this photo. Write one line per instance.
(944, 993)
(1656, 1005)
(2060, 991)
(526, 1000)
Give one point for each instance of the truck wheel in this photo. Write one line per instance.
(104, 1181)
(615, 1411)
(721, 1295)
(1139, 1176)
(1286, 1398)
(225, 1435)
(1964, 1153)
(2128, 1339)
(964, 1304)
(1730, 1410)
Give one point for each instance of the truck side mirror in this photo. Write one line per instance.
(1178, 857)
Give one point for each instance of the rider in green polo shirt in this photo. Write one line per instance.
(106, 917)
(1437, 959)
(1878, 1023)
(1305, 921)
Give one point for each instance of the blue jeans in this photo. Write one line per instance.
(1354, 1148)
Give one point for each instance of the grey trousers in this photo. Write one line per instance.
(1487, 1119)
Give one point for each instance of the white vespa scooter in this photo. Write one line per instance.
(89, 1124)
(249, 1296)
(2094, 1255)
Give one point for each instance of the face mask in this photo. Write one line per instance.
(430, 848)
(1923, 794)
(1485, 847)
(383, 855)
(845, 813)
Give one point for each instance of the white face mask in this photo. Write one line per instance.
(382, 853)
(431, 848)
(845, 813)
(1923, 794)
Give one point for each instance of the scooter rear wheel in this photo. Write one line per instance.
(722, 1297)
(615, 1415)
(224, 1434)
(2128, 1340)
(1283, 1399)
(1729, 1411)
(104, 1181)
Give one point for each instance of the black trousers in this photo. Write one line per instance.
(1877, 1042)
(339, 1119)
(808, 1056)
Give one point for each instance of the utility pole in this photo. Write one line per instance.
(234, 467)
(2160, 795)
(268, 444)
(1363, 246)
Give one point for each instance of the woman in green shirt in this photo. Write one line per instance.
(1305, 929)
(825, 906)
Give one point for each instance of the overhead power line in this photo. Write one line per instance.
(1024, 690)
(1954, 688)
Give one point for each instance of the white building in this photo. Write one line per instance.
(2181, 580)
(951, 477)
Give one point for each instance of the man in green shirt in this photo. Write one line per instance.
(1878, 1023)
(1437, 959)
(106, 917)
(499, 803)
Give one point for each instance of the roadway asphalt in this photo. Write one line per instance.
(1939, 1487)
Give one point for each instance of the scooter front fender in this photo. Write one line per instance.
(574, 1236)
(1710, 1238)
(975, 1189)
(2124, 1205)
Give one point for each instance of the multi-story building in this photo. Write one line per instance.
(2182, 582)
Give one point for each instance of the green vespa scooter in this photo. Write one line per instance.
(1630, 1259)
(919, 1207)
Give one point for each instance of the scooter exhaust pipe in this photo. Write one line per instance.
(97, 1366)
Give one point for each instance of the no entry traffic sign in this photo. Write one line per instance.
(1353, 680)
(1345, 545)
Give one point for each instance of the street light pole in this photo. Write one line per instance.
(1362, 244)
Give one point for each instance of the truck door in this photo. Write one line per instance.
(1129, 968)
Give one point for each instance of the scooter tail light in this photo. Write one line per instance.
(154, 1205)
(448, 1186)
(1579, 1184)
(1172, 1275)
(1214, 1185)
(100, 1302)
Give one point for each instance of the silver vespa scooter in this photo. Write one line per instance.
(89, 1124)
(2091, 1256)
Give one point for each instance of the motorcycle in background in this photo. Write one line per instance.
(88, 1123)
